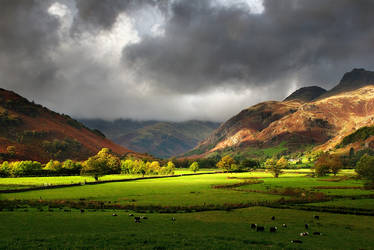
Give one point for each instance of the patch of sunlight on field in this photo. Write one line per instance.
(185, 190)
(60, 180)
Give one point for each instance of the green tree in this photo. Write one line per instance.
(5, 170)
(365, 168)
(248, 164)
(235, 167)
(225, 163)
(194, 167)
(25, 168)
(275, 167)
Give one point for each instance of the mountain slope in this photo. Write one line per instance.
(40, 134)
(161, 139)
(296, 123)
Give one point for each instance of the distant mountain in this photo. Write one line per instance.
(159, 138)
(37, 133)
(299, 122)
(306, 94)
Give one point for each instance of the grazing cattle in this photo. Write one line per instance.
(304, 234)
(114, 215)
(253, 226)
(131, 215)
(273, 229)
(284, 225)
(82, 210)
(260, 229)
(173, 219)
(143, 217)
(317, 233)
(316, 217)
(273, 218)
(296, 241)
(137, 219)
(306, 226)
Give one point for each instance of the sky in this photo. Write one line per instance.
(177, 60)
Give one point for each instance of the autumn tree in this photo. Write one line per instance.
(225, 163)
(101, 164)
(326, 163)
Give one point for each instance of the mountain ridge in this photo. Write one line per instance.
(320, 122)
(38, 133)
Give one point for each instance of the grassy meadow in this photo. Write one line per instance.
(53, 219)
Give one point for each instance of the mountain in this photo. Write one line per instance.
(159, 138)
(38, 133)
(353, 80)
(306, 94)
(298, 122)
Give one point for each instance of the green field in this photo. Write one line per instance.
(27, 182)
(44, 219)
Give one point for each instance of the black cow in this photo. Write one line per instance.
(253, 226)
(273, 229)
(273, 218)
(316, 217)
(137, 219)
(260, 229)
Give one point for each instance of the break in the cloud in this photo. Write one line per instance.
(177, 59)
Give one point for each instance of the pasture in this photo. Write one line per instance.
(53, 218)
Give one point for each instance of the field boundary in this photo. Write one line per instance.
(9, 191)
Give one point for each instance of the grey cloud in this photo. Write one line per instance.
(27, 33)
(205, 45)
(102, 14)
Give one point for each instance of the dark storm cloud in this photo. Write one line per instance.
(206, 45)
(102, 14)
(26, 33)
